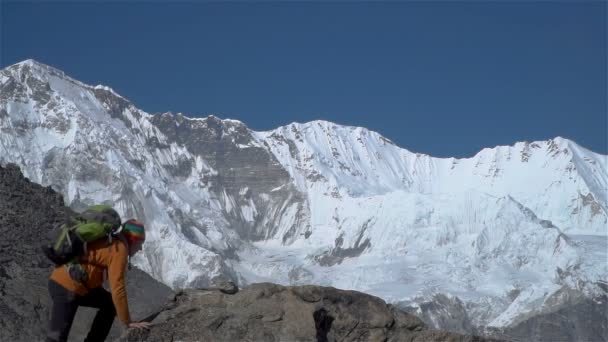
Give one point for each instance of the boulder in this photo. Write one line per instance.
(270, 312)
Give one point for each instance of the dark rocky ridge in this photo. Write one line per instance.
(230, 149)
(448, 313)
(568, 315)
(27, 212)
(577, 318)
(269, 312)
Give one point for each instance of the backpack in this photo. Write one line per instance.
(71, 238)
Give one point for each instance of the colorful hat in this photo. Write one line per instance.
(134, 231)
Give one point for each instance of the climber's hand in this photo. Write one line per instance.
(139, 325)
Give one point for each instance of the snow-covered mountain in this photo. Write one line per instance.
(501, 236)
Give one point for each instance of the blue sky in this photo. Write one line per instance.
(442, 78)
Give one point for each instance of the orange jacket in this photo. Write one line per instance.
(101, 257)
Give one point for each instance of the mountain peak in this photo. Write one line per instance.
(559, 141)
(35, 66)
(28, 62)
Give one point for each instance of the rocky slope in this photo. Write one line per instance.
(270, 312)
(27, 212)
(572, 317)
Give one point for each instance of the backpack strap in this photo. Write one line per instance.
(122, 238)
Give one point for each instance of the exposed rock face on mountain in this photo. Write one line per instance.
(448, 313)
(269, 312)
(27, 212)
(569, 316)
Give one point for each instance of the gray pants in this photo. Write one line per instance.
(65, 304)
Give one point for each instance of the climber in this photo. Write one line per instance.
(107, 256)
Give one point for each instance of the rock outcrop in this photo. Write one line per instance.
(27, 211)
(574, 318)
(270, 312)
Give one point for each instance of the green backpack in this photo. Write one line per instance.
(71, 238)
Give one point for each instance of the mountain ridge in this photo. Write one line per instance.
(45, 67)
(318, 202)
